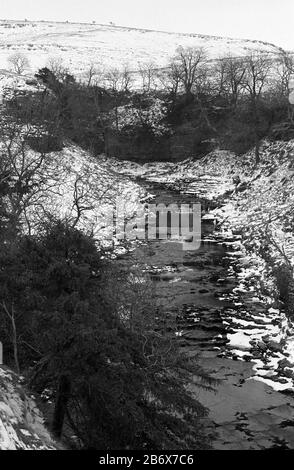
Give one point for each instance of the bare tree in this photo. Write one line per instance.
(81, 199)
(258, 67)
(19, 62)
(119, 82)
(147, 72)
(93, 74)
(28, 178)
(255, 80)
(285, 73)
(190, 73)
(113, 79)
(219, 74)
(126, 79)
(57, 66)
(169, 78)
(14, 337)
(189, 62)
(231, 72)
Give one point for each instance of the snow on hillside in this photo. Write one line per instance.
(11, 83)
(79, 44)
(74, 175)
(72, 184)
(21, 424)
(76, 187)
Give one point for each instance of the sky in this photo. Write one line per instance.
(266, 20)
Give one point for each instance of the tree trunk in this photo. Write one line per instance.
(256, 130)
(61, 401)
(11, 316)
(257, 152)
(15, 349)
(106, 142)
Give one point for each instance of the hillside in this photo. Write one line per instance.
(80, 44)
(21, 423)
(75, 182)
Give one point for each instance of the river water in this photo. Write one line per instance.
(197, 287)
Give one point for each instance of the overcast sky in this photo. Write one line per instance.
(268, 20)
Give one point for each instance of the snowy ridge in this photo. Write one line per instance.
(80, 44)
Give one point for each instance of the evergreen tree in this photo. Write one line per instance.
(115, 386)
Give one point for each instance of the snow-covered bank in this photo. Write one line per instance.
(260, 210)
(67, 184)
(74, 186)
(206, 177)
(21, 424)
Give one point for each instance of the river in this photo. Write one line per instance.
(198, 287)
